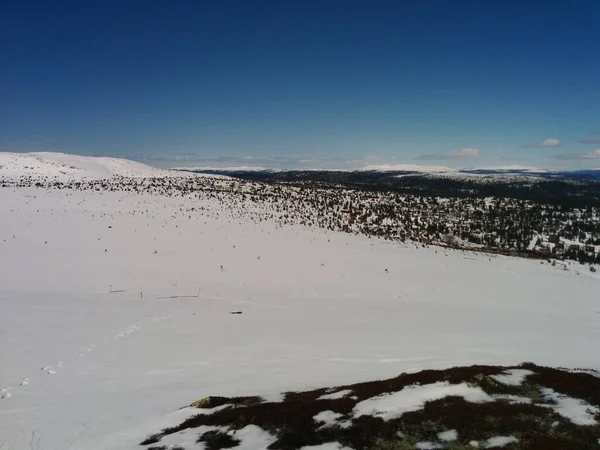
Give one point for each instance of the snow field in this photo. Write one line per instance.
(103, 330)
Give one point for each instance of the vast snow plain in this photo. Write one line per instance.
(115, 308)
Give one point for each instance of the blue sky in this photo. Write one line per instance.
(304, 83)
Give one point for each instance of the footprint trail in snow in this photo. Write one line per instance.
(53, 369)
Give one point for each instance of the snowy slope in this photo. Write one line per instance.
(64, 166)
(103, 331)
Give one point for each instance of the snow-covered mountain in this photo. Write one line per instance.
(64, 166)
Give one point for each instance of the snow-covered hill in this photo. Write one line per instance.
(65, 166)
(115, 307)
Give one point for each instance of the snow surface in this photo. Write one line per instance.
(82, 367)
(408, 168)
(448, 436)
(335, 395)
(577, 411)
(65, 166)
(228, 168)
(509, 168)
(328, 417)
(499, 441)
(188, 438)
(326, 446)
(512, 377)
(513, 399)
(252, 438)
(428, 445)
(412, 398)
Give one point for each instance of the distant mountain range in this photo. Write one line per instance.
(576, 188)
(592, 174)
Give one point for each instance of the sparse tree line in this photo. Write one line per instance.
(505, 225)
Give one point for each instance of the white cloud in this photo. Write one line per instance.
(595, 154)
(550, 142)
(467, 152)
(464, 152)
(591, 155)
(546, 143)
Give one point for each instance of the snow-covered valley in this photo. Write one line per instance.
(115, 308)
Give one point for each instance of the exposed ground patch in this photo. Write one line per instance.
(458, 408)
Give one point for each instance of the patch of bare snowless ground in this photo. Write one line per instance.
(456, 409)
